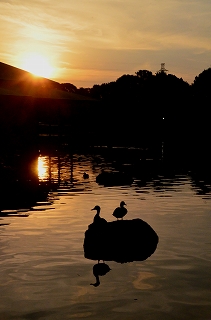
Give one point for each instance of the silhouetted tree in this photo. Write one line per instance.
(202, 84)
(201, 92)
(144, 74)
(84, 91)
(69, 87)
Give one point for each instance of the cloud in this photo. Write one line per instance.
(131, 24)
(107, 35)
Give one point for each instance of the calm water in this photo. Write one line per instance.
(44, 274)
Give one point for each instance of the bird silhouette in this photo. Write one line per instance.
(97, 218)
(99, 269)
(85, 175)
(120, 211)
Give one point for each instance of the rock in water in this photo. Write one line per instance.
(114, 179)
(120, 241)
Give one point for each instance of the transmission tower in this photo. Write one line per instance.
(162, 68)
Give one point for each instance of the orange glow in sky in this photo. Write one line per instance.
(95, 42)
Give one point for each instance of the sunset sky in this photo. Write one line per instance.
(89, 42)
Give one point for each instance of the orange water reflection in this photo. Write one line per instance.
(43, 168)
(55, 169)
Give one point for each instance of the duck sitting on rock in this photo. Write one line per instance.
(97, 218)
(120, 211)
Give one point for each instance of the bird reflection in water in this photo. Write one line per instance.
(99, 269)
(121, 241)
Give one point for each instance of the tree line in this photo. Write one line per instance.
(152, 107)
(143, 82)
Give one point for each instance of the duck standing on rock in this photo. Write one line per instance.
(97, 218)
(121, 211)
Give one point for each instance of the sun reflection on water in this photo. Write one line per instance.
(54, 169)
(42, 168)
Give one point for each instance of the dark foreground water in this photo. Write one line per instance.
(44, 274)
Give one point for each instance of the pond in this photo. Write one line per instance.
(44, 274)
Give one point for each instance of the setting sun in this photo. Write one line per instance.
(38, 65)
